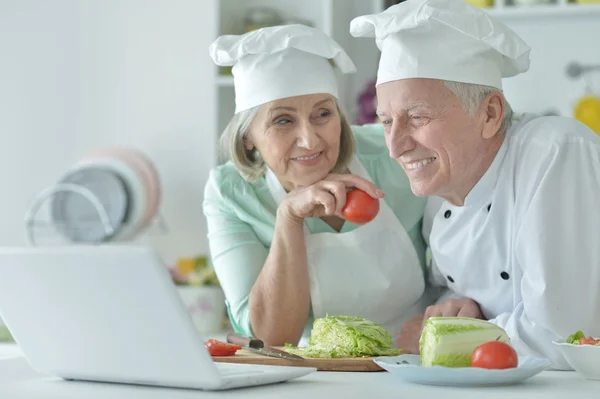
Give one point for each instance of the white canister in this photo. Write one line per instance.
(205, 305)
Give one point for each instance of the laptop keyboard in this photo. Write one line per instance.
(228, 370)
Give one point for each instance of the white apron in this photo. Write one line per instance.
(371, 272)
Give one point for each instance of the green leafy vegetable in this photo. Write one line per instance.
(346, 336)
(450, 341)
(574, 338)
(5, 335)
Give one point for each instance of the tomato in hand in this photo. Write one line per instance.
(360, 207)
(218, 348)
(494, 355)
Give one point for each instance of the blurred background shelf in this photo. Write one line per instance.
(558, 10)
(331, 16)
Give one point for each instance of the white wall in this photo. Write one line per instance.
(75, 75)
(555, 42)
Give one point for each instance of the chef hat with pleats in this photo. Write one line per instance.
(280, 62)
(443, 39)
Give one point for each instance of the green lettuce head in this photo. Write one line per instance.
(346, 336)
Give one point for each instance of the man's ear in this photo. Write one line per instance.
(493, 109)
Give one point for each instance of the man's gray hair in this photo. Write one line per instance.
(249, 162)
(471, 95)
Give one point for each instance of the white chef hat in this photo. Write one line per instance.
(443, 39)
(280, 62)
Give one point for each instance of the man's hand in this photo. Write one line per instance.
(454, 308)
(408, 339)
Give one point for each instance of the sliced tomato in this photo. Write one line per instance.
(587, 341)
(219, 348)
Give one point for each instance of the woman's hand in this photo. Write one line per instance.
(326, 197)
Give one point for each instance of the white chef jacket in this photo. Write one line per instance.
(526, 243)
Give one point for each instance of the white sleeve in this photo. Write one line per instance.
(558, 249)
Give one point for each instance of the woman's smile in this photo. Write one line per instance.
(308, 159)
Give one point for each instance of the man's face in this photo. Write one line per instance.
(432, 136)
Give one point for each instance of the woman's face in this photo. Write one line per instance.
(298, 138)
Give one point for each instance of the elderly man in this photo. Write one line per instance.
(513, 219)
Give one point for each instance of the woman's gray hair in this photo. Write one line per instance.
(471, 95)
(249, 162)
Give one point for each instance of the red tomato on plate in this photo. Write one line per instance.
(494, 355)
(218, 348)
(360, 207)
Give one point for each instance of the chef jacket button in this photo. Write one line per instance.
(489, 206)
(504, 276)
(450, 277)
(447, 214)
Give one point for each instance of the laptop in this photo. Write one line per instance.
(111, 313)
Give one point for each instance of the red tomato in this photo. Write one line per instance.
(360, 207)
(494, 355)
(218, 348)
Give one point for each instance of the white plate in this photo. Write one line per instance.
(407, 367)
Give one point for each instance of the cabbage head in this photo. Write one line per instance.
(346, 336)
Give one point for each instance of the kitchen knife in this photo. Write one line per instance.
(256, 345)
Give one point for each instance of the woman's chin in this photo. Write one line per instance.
(308, 178)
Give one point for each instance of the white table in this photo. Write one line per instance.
(17, 380)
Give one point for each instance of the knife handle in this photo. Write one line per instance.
(245, 341)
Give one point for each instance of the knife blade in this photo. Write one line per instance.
(258, 346)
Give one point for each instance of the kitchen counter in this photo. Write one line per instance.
(18, 380)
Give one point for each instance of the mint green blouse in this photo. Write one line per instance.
(241, 220)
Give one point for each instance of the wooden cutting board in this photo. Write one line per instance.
(340, 364)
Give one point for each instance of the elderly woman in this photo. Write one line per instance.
(280, 247)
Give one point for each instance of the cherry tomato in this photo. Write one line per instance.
(494, 355)
(218, 348)
(360, 207)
